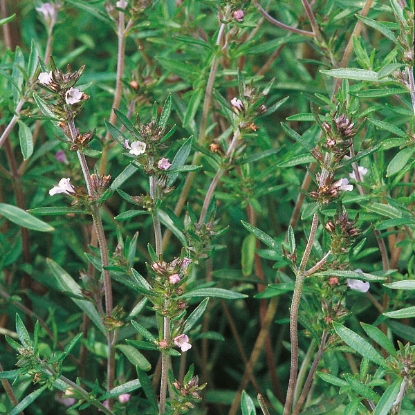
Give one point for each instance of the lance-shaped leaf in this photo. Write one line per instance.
(355, 74)
(24, 403)
(360, 345)
(381, 27)
(23, 218)
(408, 312)
(179, 160)
(388, 398)
(134, 356)
(214, 292)
(69, 285)
(195, 315)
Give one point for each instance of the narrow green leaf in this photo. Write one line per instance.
(215, 293)
(123, 176)
(44, 107)
(24, 403)
(11, 374)
(248, 254)
(389, 69)
(379, 337)
(334, 380)
(58, 210)
(116, 133)
(23, 334)
(148, 389)
(17, 74)
(180, 159)
(361, 388)
(129, 214)
(247, 404)
(291, 239)
(141, 280)
(352, 407)
(359, 344)
(402, 313)
(195, 315)
(379, 26)
(33, 60)
(383, 125)
(126, 387)
(259, 156)
(92, 9)
(72, 343)
(7, 19)
(390, 223)
(400, 161)
(134, 356)
(192, 41)
(364, 276)
(193, 106)
(165, 112)
(69, 285)
(297, 137)
(173, 226)
(401, 285)
(388, 398)
(262, 236)
(143, 331)
(384, 210)
(23, 218)
(356, 74)
(378, 93)
(296, 160)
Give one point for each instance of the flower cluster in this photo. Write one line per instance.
(186, 394)
(343, 232)
(167, 279)
(329, 189)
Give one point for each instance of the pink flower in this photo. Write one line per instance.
(362, 173)
(73, 96)
(185, 263)
(174, 279)
(124, 397)
(182, 341)
(63, 187)
(45, 78)
(358, 285)
(343, 184)
(49, 12)
(163, 164)
(61, 157)
(238, 15)
(136, 148)
(237, 105)
(122, 4)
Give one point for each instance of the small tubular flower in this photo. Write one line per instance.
(238, 15)
(124, 397)
(237, 105)
(163, 164)
(358, 285)
(45, 78)
(174, 279)
(73, 96)
(343, 184)
(136, 148)
(182, 341)
(48, 11)
(362, 173)
(64, 186)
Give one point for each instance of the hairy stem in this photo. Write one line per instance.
(295, 305)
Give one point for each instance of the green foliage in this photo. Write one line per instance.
(221, 184)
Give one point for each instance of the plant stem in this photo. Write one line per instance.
(218, 175)
(202, 130)
(9, 390)
(311, 374)
(295, 304)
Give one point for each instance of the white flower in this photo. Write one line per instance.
(122, 4)
(174, 279)
(237, 104)
(358, 285)
(343, 184)
(136, 148)
(63, 187)
(45, 78)
(73, 96)
(124, 397)
(163, 164)
(48, 11)
(182, 341)
(362, 173)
